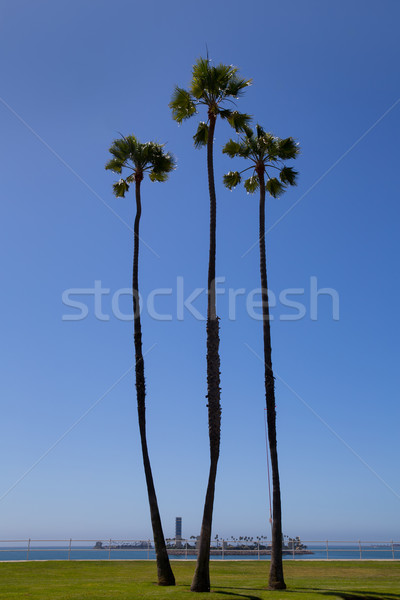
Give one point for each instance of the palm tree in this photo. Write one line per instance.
(128, 153)
(211, 87)
(266, 153)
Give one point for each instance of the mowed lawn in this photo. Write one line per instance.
(231, 580)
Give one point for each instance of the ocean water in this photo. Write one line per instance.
(319, 552)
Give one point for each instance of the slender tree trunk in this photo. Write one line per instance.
(276, 580)
(201, 579)
(164, 571)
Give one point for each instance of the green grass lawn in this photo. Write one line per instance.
(236, 580)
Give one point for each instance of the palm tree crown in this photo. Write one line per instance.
(212, 87)
(139, 158)
(266, 152)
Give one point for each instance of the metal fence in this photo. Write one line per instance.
(230, 549)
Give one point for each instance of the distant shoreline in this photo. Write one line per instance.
(190, 550)
(220, 552)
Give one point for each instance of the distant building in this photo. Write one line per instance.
(178, 531)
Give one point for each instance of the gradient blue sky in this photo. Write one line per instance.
(74, 74)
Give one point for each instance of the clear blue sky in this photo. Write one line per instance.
(74, 75)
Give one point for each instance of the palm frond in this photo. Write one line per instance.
(238, 120)
(120, 188)
(260, 131)
(232, 179)
(115, 164)
(163, 163)
(120, 148)
(201, 136)
(201, 69)
(224, 76)
(182, 105)
(274, 187)
(288, 148)
(268, 145)
(158, 175)
(225, 113)
(248, 131)
(263, 143)
(288, 176)
(132, 144)
(124, 150)
(252, 184)
(236, 87)
(231, 148)
(160, 160)
(203, 79)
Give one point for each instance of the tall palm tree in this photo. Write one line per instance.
(211, 87)
(137, 158)
(267, 153)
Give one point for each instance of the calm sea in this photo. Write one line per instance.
(319, 552)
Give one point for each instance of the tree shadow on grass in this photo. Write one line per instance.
(238, 595)
(344, 595)
(215, 590)
(353, 594)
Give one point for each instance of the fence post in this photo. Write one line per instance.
(223, 548)
(69, 549)
(29, 545)
(258, 550)
(392, 550)
(359, 545)
(109, 551)
(327, 550)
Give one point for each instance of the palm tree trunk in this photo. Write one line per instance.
(201, 579)
(164, 571)
(276, 580)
